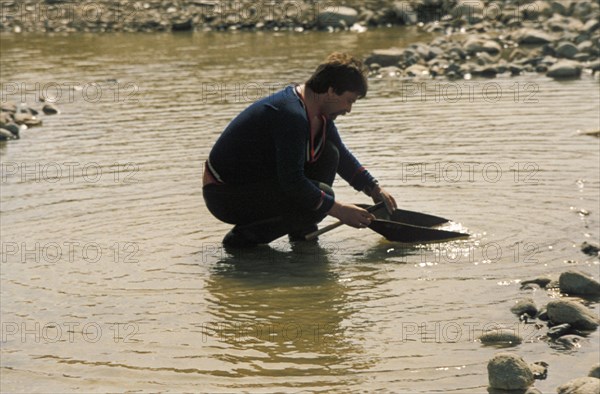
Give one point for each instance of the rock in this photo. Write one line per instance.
(338, 17)
(590, 249)
(405, 12)
(524, 306)
(8, 107)
(182, 25)
(385, 57)
(577, 283)
(507, 371)
(527, 36)
(536, 9)
(417, 70)
(559, 7)
(532, 390)
(595, 371)
(541, 282)
(559, 331)
(566, 50)
(501, 336)
(539, 370)
(591, 26)
(472, 11)
(564, 69)
(567, 342)
(6, 135)
(50, 109)
(475, 44)
(578, 316)
(587, 385)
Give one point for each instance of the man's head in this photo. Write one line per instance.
(341, 72)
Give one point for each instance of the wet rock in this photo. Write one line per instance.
(524, 306)
(475, 44)
(591, 26)
(587, 385)
(501, 337)
(182, 25)
(527, 36)
(6, 135)
(472, 11)
(27, 119)
(541, 282)
(566, 50)
(536, 9)
(564, 69)
(9, 107)
(577, 283)
(417, 70)
(385, 57)
(559, 331)
(567, 342)
(507, 371)
(337, 17)
(590, 249)
(577, 315)
(405, 13)
(560, 7)
(595, 371)
(50, 109)
(539, 370)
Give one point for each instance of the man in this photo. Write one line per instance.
(270, 172)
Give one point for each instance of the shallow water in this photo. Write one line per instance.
(113, 277)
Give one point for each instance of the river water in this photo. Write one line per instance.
(113, 278)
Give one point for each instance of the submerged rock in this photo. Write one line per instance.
(500, 337)
(587, 385)
(590, 249)
(577, 283)
(577, 315)
(526, 305)
(595, 371)
(507, 371)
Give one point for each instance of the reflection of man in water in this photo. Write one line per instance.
(270, 172)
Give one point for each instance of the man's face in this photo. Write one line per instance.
(338, 104)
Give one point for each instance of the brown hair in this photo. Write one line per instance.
(342, 72)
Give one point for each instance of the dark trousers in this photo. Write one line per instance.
(262, 212)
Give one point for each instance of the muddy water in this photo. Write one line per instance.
(113, 278)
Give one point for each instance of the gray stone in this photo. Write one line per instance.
(577, 315)
(559, 331)
(591, 26)
(587, 385)
(50, 109)
(468, 9)
(587, 248)
(527, 36)
(536, 9)
(566, 50)
(385, 57)
(507, 371)
(577, 283)
(595, 371)
(338, 17)
(405, 12)
(524, 306)
(476, 44)
(501, 336)
(564, 69)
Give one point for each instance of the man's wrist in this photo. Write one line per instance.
(369, 188)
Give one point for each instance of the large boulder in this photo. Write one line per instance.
(577, 283)
(507, 371)
(587, 385)
(577, 315)
(337, 17)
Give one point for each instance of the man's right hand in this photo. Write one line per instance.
(351, 215)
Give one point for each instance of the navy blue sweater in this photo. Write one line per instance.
(268, 142)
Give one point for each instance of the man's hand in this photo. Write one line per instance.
(351, 215)
(378, 194)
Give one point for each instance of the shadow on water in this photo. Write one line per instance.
(283, 312)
